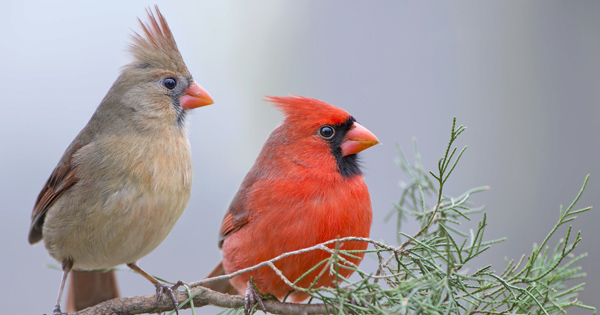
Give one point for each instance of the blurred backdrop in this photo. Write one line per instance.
(523, 76)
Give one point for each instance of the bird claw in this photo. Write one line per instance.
(170, 291)
(252, 297)
(57, 311)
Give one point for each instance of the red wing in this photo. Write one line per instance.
(238, 213)
(227, 227)
(61, 179)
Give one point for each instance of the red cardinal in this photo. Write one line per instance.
(126, 178)
(305, 188)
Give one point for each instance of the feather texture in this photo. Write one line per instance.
(126, 178)
(296, 196)
(156, 47)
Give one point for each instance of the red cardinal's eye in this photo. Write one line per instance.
(170, 83)
(326, 132)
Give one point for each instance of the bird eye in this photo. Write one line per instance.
(170, 83)
(326, 132)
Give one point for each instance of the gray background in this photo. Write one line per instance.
(523, 76)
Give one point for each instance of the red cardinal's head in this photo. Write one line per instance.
(319, 136)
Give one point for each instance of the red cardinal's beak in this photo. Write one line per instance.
(195, 96)
(357, 139)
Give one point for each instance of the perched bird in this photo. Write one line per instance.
(305, 188)
(125, 180)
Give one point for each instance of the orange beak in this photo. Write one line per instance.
(195, 96)
(357, 139)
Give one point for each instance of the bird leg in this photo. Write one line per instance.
(160, 287)
(252, 297)
(67, 265)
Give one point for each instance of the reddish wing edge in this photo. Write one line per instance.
(237, 214)
(226, 228)
(232, 222)
(61, 179)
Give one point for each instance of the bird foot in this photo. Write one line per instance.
(57, 311)
(252, 297)
(170, 291)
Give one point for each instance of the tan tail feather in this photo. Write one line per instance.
(90, 288)
(223, 286)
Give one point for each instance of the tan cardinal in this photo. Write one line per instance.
(126, 178)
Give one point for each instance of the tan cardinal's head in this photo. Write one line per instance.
(156, 89)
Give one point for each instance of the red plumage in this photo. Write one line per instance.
(295, 196)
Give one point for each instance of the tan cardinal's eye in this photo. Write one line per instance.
(170, 83)
(326, 132)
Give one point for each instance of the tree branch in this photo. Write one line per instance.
(203, 296)
(148, 304)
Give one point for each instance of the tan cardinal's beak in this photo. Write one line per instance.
(195, 96)
(357, 139)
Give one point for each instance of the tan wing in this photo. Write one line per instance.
(61, 179)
